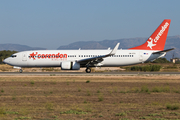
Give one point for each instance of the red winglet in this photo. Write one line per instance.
(158, 39)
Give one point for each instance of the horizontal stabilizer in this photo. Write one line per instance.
(163, 51)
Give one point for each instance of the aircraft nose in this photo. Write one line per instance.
(4, 61)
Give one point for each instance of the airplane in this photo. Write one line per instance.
(152, 49)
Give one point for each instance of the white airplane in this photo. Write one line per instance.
(152, 49)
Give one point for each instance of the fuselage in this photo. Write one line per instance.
(54, 58)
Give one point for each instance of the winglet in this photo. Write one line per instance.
(114, 50)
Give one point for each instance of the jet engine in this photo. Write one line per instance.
(68, 65)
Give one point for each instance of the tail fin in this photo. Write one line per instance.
(158, 39)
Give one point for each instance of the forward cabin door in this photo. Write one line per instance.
(24, 56)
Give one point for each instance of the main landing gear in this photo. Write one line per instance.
(88, 70)
(20, 70)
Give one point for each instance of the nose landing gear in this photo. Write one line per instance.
(20, 70)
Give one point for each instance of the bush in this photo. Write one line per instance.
(87, 81)
(161, 60)
(146, 68)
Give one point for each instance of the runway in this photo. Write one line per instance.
(84, 74)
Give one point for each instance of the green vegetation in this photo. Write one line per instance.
(121, 114)
(100, 97)
(6, 53)
(155, 89)
(32, 82)
(88, 93)
(87, 81)
(73, 112)
(146, 68)
(161, 60)
(79, 89)
(161, 89)
(23, 117)
(2, 90)
(2, 111)
(172, 106)
(144, 89)
(111, 97)
(49, 106)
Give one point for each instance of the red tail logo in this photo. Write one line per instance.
(158, 39)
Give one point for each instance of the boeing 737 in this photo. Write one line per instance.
(152, 49)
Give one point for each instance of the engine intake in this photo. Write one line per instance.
(68, 65)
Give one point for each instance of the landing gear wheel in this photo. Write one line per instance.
(20, 70)
(88, 70)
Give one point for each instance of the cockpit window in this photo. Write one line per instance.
(13, 56)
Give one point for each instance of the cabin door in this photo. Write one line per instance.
(24, 57)
(141, 56)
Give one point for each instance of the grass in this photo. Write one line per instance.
(88, 93)
(161, 89)
(32, 82)
(2, 111)
(144, 89)
(79, 89)
(73, 112)
(49, 106)
(2, 90)
(100, 97)
(22, 117)
(172, 106)
(98, 100)
(98, 91)
(121, 114)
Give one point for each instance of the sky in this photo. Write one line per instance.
(53, 23)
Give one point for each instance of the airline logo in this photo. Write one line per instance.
(49, 56)
(155, 40)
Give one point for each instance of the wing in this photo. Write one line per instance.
(98, 59)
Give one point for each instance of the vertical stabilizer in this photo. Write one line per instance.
(158, 39)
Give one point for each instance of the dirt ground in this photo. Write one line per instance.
(90, 97)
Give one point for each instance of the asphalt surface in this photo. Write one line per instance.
(83, 73)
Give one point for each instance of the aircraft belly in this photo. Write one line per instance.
(120, 61)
